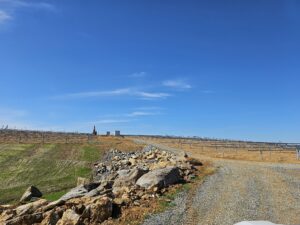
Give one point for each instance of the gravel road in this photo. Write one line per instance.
(239, 191)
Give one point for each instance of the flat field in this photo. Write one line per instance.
(259, 152)
(53, 168)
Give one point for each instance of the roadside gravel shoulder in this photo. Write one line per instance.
(239, 191)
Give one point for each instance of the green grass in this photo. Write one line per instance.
(83, 172)
(55, 195)
(167, 200)
(53, 168)
(90, 153)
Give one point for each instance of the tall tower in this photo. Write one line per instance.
(94, 130)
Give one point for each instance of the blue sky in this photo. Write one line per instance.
(224, 69)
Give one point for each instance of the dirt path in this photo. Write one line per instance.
(239, 191)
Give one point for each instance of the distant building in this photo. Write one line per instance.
(94, 131)
(117, 133)
(108, 133)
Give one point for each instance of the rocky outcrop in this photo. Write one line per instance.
(120, 180)
(25, 214)
(30, 194)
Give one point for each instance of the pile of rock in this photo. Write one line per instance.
(119, 180)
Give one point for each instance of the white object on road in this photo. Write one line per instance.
(256, 223)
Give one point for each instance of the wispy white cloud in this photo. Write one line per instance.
(112, 93)
(123, 118)
(88, 94)
(138, 75)
(153, 95)
(9, 8)
(14, 4)
(178, 83)
(141, 113)
(4, 17)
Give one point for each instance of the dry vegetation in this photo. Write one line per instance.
(136, 215)
(54, 162)
(260, 152)
(54, 167)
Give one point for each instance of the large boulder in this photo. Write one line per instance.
(79, 191)
(31, 193)
(160, 178)
(127, 179)
(105, 187)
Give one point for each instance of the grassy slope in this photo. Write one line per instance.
(53, 168)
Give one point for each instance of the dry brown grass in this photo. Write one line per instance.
(120, 143)
(233, 151)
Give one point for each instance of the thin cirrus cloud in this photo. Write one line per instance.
(114, 93)
(9, 8)
(179, 84)
(153, 95)
(15, 4)
(89, 94)
(141, 113)
(124, 118)
(4, 17)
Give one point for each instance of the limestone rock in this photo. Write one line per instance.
(132, 161)
(6, 215)
(160, 164)
(30, 193)
(159, 178)
(30, 207)
(27, 219)
(99, 210)
(82, 181)
(79, 191)
(50, 218)
(128, 179)
(52, 205)
(70, 217)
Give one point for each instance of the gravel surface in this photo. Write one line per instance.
(239, 191)
(175, 151)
